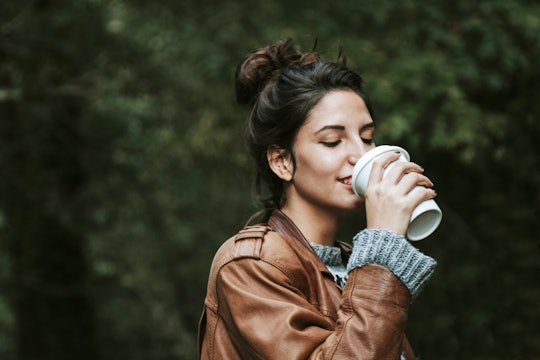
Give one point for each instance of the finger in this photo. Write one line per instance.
(413, 179)
(420, 194)
(380, 164)
(400, 169)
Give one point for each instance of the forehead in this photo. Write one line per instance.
(338, 107)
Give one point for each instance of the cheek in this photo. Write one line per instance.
(319, 165)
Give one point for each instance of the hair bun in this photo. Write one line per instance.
(254, 72)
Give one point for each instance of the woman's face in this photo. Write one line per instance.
(336, 133)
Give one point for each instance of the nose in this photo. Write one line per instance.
(356, 152)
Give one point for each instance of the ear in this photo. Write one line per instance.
(280, 162)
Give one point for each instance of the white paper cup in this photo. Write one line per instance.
(425, 218)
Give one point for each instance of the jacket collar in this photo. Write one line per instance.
(281, 223)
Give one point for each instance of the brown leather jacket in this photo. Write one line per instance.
(270, 297)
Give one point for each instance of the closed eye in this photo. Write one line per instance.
(367, 141)
(331, 143)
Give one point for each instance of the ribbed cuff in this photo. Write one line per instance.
(391, 250)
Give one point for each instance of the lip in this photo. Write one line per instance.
(347, 180)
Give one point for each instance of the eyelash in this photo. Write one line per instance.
(368, 141)
(336, 143)
(331, 144)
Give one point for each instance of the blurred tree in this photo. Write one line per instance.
(42, 97)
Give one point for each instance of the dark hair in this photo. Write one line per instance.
(282, 85)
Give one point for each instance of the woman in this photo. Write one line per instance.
(286, 289)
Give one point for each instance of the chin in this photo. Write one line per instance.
(351, 205)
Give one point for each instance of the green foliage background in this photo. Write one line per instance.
(123, 165)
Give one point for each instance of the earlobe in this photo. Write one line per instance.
(280, 162)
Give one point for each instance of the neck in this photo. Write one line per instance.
(317, 225)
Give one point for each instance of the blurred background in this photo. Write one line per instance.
(123, 166)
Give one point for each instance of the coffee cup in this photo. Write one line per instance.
(425, 218)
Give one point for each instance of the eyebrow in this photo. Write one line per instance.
(342, 128)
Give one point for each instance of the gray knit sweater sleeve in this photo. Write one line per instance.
(393, 251)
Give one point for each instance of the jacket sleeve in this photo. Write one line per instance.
(268, 317)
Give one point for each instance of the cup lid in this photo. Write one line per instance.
(372, 154)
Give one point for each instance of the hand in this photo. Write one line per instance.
(389, 200)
